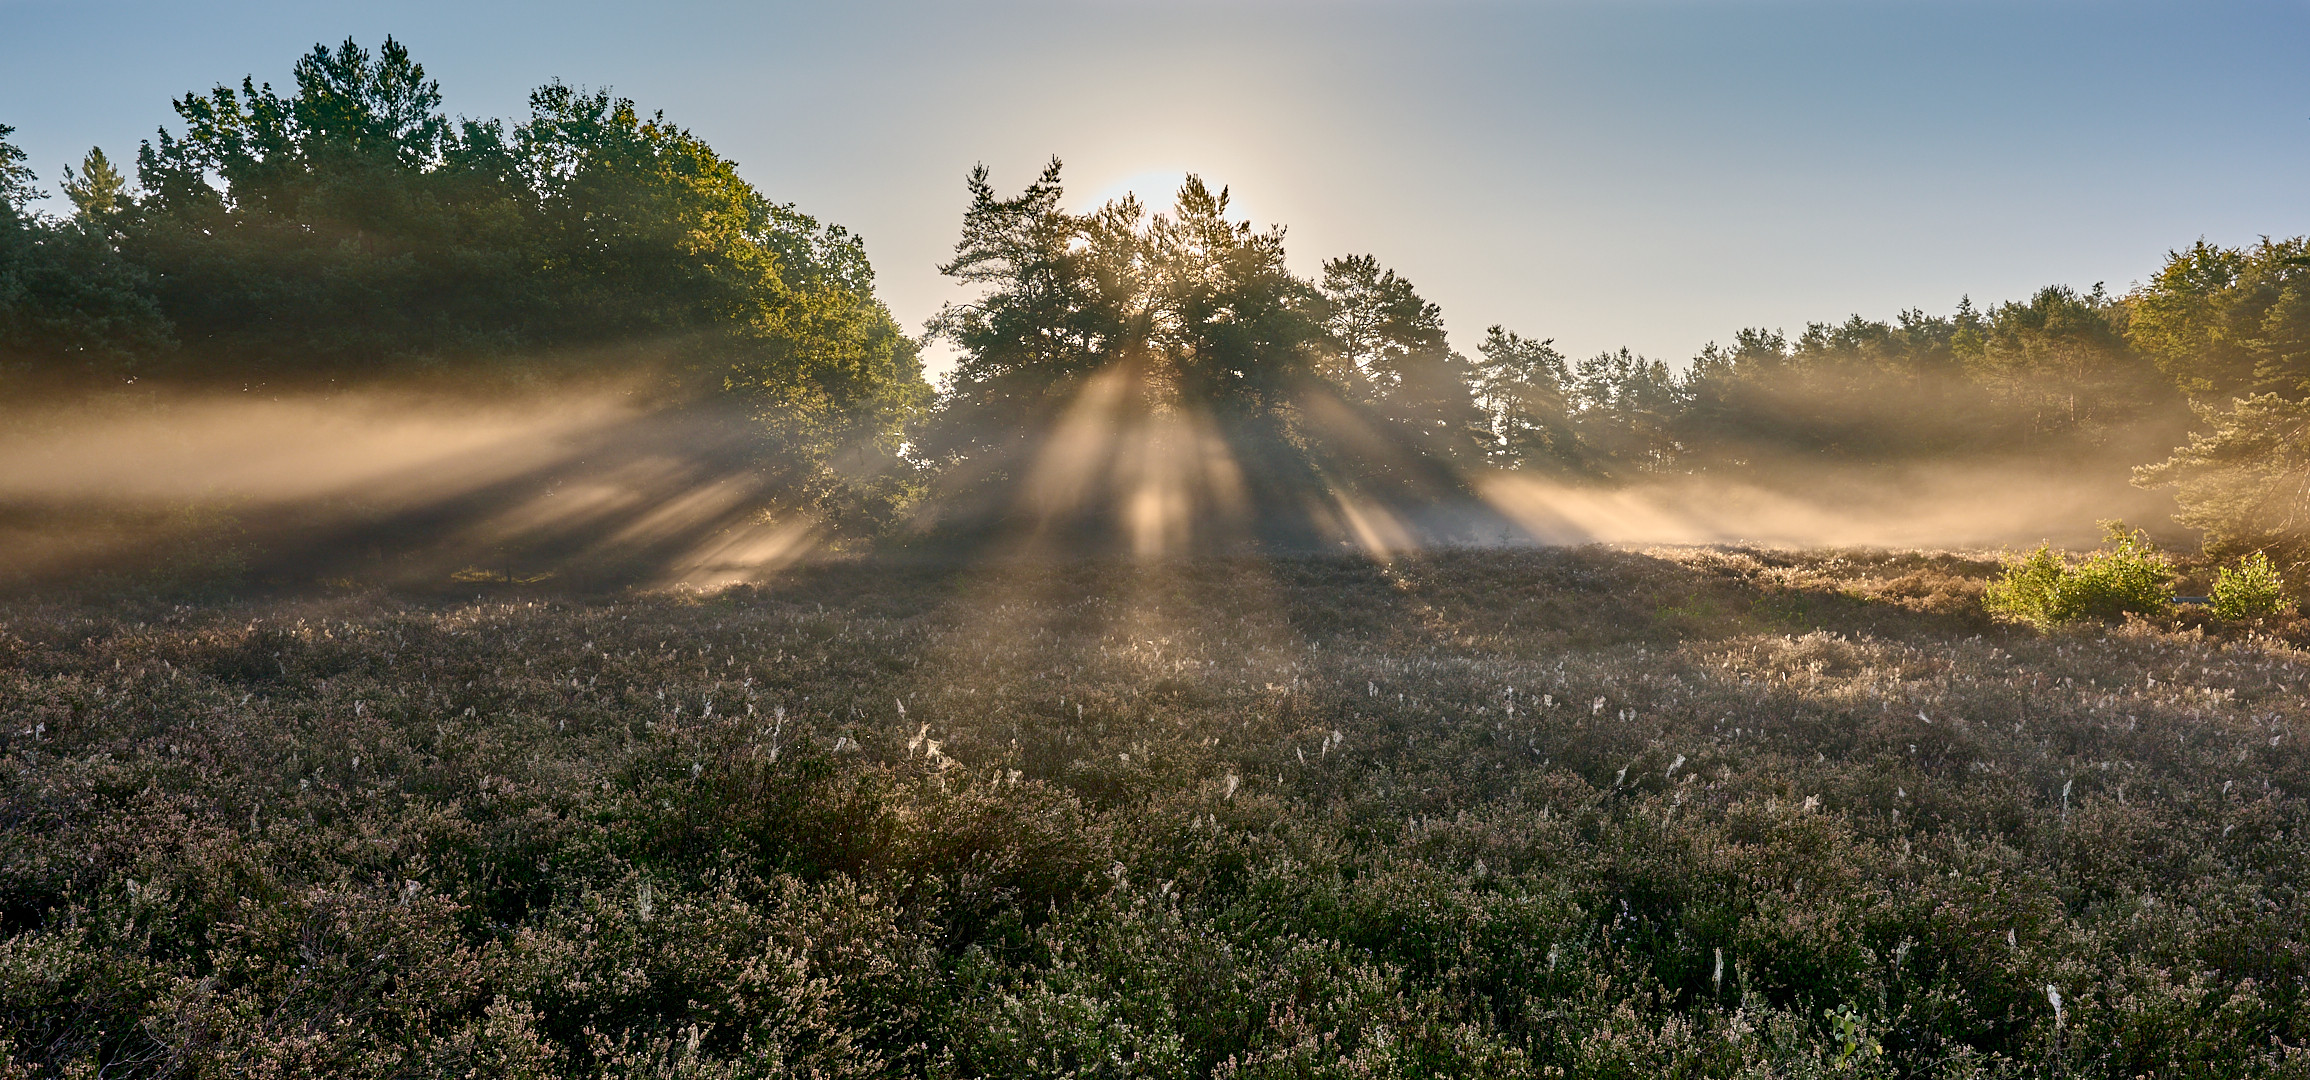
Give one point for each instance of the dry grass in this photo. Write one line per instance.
(1583, 812)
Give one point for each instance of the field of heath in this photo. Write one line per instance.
(1564, 813)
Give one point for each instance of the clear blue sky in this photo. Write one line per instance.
(1653, 174)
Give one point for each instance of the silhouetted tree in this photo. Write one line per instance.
(1239, 331)
(1187, 313)
(1524, 389)
(1064, 296)
(1199, 310)
(1393, 357)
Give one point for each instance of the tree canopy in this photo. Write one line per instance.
(2230, 322)
(344, 230)
(1200, 308)
(1188, 313)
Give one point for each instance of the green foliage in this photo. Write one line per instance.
(2245, 482)
(345, 227)
(2061, 364)
(1625, 408)
(2126, 575)
(68, 300)
(2055, 373)
(1094, 330)
(1189, 302)
(16, 178)
(344, 230)
(2252, 588)
(1393, 357)
(2028, 590)
(98, 190)
(1523, 387)
(1850, 1031)
(356, 225)
(2229, 322)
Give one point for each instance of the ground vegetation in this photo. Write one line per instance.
(1570, 813)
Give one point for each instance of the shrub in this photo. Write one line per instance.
(2128, 574)
(2251, 589)
(2026, 591)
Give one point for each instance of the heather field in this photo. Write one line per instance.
(496, 582)
(1585, 812)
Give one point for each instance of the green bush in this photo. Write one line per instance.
(2128, 574)
(2026, 591)
(2251, 589)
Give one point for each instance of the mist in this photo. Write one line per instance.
(597, 487)
(393, 487)
(1954, 506)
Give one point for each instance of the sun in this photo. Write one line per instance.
(1158, 188)
(1154, 187)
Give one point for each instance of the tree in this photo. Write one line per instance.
(1524, 389)
(2060, 360)
(1236, 330)
(1378, 322)
(2245, 481)
(1197, 310)
(1857, 391)
(342, 229)
(2231, 327)
(1736, 403)
(16, 179)
(17, 243)
(1392, 355)
(346, 227)
(68, 301)
(1063, 297)
(98, 190)
(1625, 407)
(642, 234)
(2229, 322)
(1096, 338)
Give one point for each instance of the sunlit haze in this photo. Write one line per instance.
(1201, 541)
(1656, 175)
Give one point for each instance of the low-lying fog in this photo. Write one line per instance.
(342, 483)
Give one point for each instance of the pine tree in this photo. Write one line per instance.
(98, 190)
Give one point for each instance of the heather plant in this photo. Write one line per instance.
(1506, 814)
(2251, 588)
(2126, 575)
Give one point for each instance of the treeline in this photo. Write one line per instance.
(346, 230)
(1206, 310)
(1211, 305)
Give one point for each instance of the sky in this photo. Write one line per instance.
(1654, 174)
